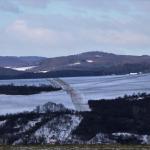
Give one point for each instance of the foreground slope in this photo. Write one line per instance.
(122, 120)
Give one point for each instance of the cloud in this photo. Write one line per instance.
(21, 30)
(111, 5)
(23, 39)
(64, 26)
(9, 6)
(15, 6)
(34, 3)
(125, 6)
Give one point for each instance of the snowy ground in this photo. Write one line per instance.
(21, 68)
(90, 87)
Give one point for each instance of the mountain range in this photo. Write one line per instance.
(84, 64)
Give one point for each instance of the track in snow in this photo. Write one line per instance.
(76, 97)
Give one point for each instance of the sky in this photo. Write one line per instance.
(63, 27)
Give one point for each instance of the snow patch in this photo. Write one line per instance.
(98, 56)
(145, 139)
(133, 73)
(21, 68)
(74, 64)
(44, 71)
(30, 124)
(101, 138)
(121, 134)
(89, 61)
(2, 123)
(58, 129)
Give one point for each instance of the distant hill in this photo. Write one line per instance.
(97, 62)
(84, 64)
(8, 72)
(12, 61)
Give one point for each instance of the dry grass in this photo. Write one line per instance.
(78, 147)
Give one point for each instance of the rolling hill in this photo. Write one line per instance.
(84, 64)
(99, 63)
(12, 61)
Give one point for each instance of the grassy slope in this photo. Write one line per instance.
(77, 147)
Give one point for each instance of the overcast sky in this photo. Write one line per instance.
(62, 27)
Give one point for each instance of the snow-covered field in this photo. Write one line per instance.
(91, 87)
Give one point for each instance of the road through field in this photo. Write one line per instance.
(90, 87)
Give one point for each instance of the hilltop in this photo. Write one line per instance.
(84, 64)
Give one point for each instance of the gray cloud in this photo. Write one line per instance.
(120, 6)
(34, 3)
(109, 5)
(46, 39)
(9, 6)
(120, 26)
(14, 6)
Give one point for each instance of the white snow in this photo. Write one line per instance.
(89, 61)
(133, 73)
(30, 124)
(21, 68)
(44, 71)
(2, 123)
(106, 87)
(122, 134)
(98, 56)
(145, 139)
(74, 64)
(101, 138)
(140, 98)
(59, 129)
(104, 138)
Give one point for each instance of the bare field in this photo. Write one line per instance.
(78, 147)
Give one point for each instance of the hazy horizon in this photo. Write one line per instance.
(59, 27)
(72, 54)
